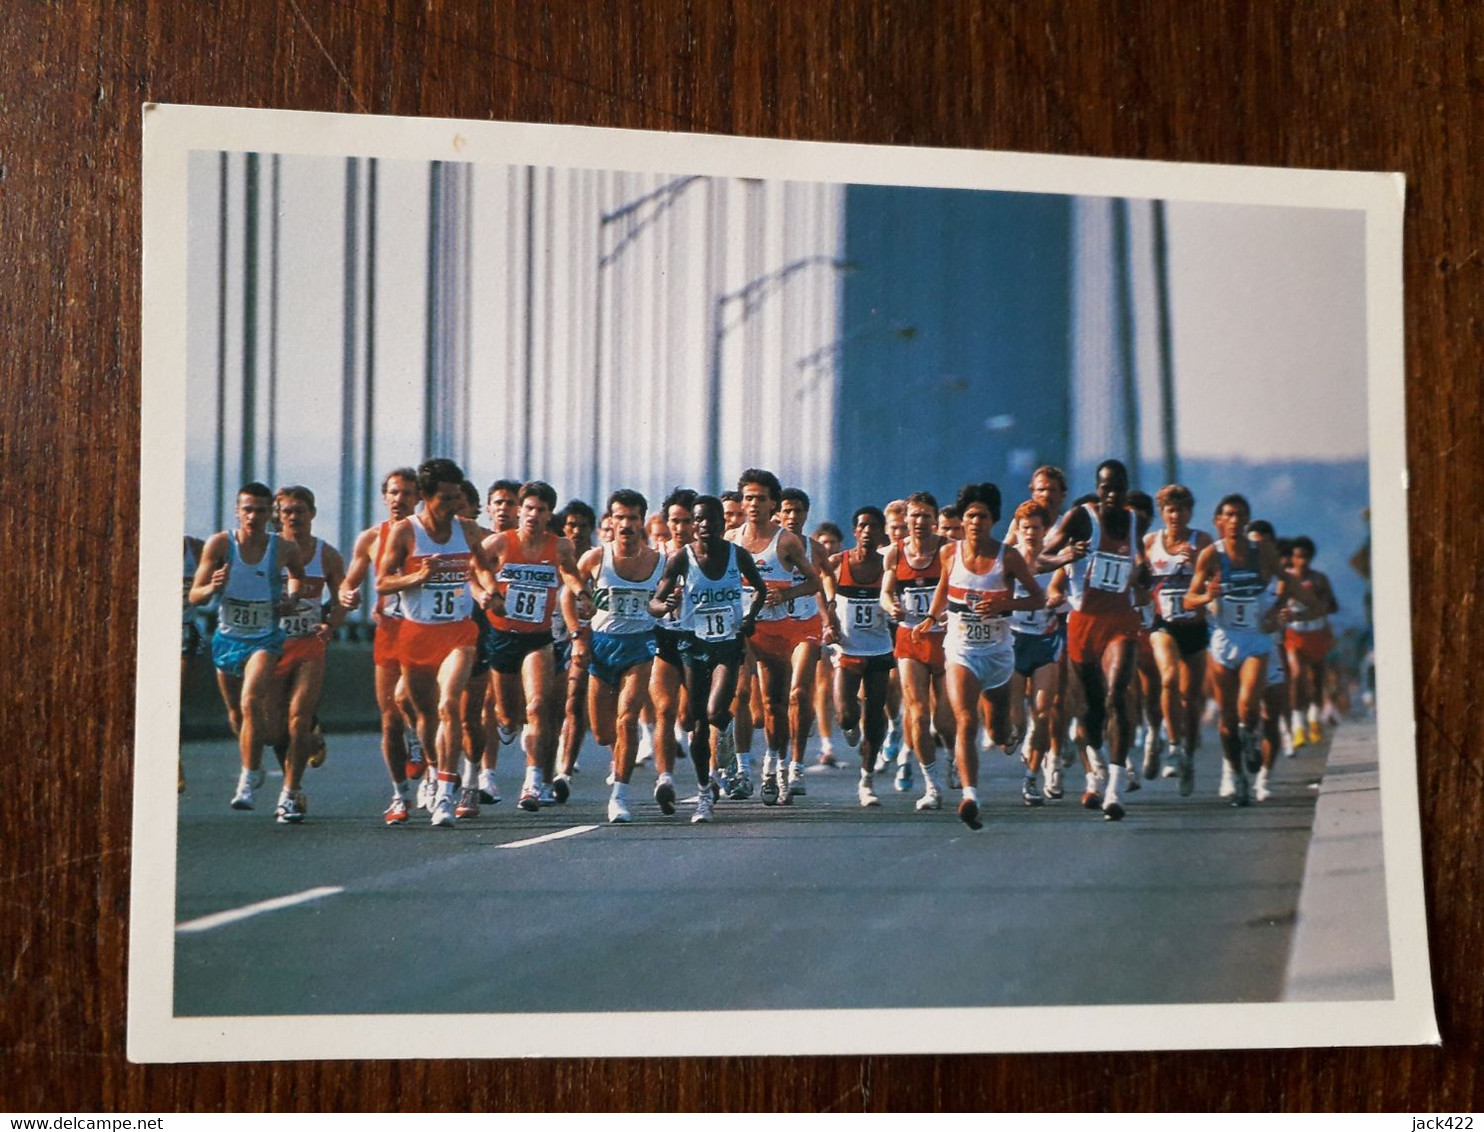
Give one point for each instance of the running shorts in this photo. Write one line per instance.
(384, 643)
(927, 650)
(866, 665)
(1090, 634)
(776, 640)
(1035, 650)
(427, 646)
(697, 653)
(297, 650)
(667, 645)
(1190, 637)
(230, 654)
(505, 652)
(1313, 646)
(1230, 649)
(991, 667)
(616, 653)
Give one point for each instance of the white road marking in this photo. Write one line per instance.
(557, 836)
(217, 919)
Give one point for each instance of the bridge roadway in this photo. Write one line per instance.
(820, 904)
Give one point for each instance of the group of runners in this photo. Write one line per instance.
(1094, 634)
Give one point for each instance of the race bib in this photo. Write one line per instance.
(916, 601)
(1033, 620)
(863, 613)
(1108, 572)
(247, 616)
(628, 604)
(1172, 605)
(1239, 612)
(444, 603)
(526, 603)
(715, 624)
(983, 631)
(302, 621)
(1312, 626)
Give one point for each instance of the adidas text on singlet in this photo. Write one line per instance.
(712, 609)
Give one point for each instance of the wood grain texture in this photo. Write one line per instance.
(1360, 85)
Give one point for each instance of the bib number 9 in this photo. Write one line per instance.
(1241, 612)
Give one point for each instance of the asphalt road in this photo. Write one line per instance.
(820, 904)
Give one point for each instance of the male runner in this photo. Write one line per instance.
(911, 570)
(1180, 635)
(1038, 643)
(830, 539)
(786, 649)
(576, 522)
(1103, 627)
(619, 658)
(1275, 699)
(950, 523)
(299, 676)
(244, 568)
(666, 678)
(975, 598)
(502, 503)
(893, 750)
(473, 709)
(793, 513)
(399, 493)
(427, 559)
(531, 565)
(190, 630)
(862, 641)
(705, 584)
(1307, 642)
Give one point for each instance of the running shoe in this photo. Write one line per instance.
(932, 799)
(1260, 791)
(443, 812)
(1153, 749)
(826, 758)
(1287, 743)
(303, 800)
(256, 778)
(770, 789)
(796, 780)
(530, 798)
(416, 763)
(1092, 795)
(1300, 738)
(1251, 751)
(664, 794)
(723, 780)
(427, 793)
(468, 806)
(893, 745)
(740, 787)
(852, 737)
(1133, 783)
(1012, 744)
(1316, 733)
(561, 788)
(242, 800)
(396, 813)
(288, 812)
(618, 811)
(866, 793)
(1030, 791)
(1053, 780)
(546, 792)
(785, 791)
(968, 813)
(953, 782)
(1113, 811)
(903, 781)
(1185, 764)
(703, 807)
(317, 749)
(489, 790)
(1228, 781)
(507, 734)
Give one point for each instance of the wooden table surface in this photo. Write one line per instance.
(1358, 85)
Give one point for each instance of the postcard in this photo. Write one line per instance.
(662, 594)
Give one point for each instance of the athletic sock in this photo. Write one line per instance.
(971, 794)
(1115, 780)
(620, 791)
(468, 774)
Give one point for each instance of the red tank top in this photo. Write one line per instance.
(529, 586)
(916, 584)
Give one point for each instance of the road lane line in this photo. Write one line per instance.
(217, 919)
(557, 836)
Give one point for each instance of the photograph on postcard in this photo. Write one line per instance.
(636, 587)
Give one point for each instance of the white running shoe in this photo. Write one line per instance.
(1260, 789)
(796, 785)
(443, 812)
(427, 793)
(1228, 781)
(468, 804)
(903, 781)
(489, 790)
(867, 793)
(1153, 749)
(242, 800)
(618, 812)
(1133, 782)
(931, 800)
(257, 778)
(1053, 779)
(289, 812)
(704, 811)
(546, 795)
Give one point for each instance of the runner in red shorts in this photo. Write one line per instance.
(1307, 641)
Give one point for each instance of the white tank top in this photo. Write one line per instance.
(308, 611)
(1172, 575)
(443, 596)
(863, 625)
(251, 592)
(776, 578)
(712, 610)
(622, 606)
(1034, 622)
(969, 631)
(1104, 571)
(1309, 625)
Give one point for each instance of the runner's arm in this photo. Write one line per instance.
(749, 571)
(939, 607)
(889, 600)
(389, 576)
(334, 579)
(1204, 589)
(667, 593)
(1034, 597)
(211, 571)
(349, 592)
(1067, 542)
